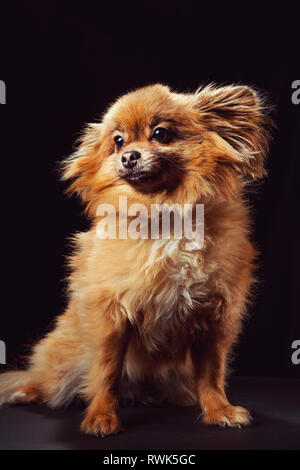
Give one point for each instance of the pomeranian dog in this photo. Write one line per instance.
(150, 319)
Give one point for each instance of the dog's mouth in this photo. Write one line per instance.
(136, 177)
(153, 177)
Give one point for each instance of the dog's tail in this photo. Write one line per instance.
(10, 381)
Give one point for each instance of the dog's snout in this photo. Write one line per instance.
(129, 159)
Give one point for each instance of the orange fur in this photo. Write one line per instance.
(148, 318)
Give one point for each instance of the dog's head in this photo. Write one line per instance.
(158, 144)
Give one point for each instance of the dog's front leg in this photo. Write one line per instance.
(209, 357)
(102, 386)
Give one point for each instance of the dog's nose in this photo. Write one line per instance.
(129, 159)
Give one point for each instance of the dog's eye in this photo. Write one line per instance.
(162, 135)
(119, 141)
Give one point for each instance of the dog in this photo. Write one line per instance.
(150, 319)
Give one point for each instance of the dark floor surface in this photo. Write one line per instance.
(274, 404)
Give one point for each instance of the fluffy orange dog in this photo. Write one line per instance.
(151, 319)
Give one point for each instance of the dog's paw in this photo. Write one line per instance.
(231, 416)
(101, 424)
(23, 395)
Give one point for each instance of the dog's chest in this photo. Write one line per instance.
(178, 277)
(173, 284)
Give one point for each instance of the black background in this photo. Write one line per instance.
(63, 64)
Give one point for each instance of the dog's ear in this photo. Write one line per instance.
(240, 116)
(82, 165)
